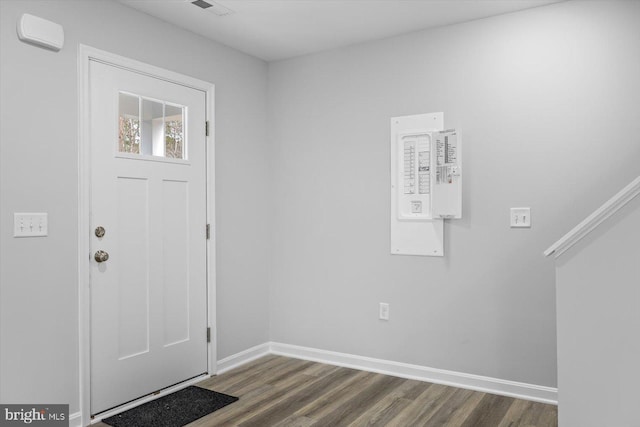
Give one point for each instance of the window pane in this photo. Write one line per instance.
(173, 132)
(152, 127)
(129, 124)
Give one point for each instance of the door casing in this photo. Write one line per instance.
(85, 55)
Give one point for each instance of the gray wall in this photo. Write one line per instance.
(547, 100)
(598, 323)
(39, 173)
(548, 103)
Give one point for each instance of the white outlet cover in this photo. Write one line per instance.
(520, 217)
(384, 311)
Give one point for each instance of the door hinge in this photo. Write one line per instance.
(206, 128)
(208, 231)
(208, 334)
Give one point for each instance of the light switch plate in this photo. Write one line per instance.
(30, 224)
(520, 217)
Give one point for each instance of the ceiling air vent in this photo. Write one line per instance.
(210, 6)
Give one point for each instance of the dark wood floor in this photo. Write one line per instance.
(284, 392)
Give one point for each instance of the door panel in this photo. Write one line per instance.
(148, 190)
(175, 261)
(131, 256)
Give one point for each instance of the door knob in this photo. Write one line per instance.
(100, 231)
(101, 256)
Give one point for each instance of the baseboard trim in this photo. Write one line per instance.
(501, 387)
(75, 419)
(243, 357)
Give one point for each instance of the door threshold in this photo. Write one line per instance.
(148, 398)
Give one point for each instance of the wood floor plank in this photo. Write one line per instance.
(423, 407)
(382, 412)
(242, 373)
(296, 422)
(320, 369)
(523, 413)
(277, 391)
(489, 412)
(246, 408)
(329, 402)
(390, 406)
(547, 416)
(360, 402)
(411, 389)
(271, 376)
(250, 368)
(456, 409)
(303, 397)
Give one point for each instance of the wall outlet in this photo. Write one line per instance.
(384, 311)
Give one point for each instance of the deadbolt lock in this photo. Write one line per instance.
(100, 231)
(101, 256)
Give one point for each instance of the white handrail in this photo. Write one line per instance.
(595, 219)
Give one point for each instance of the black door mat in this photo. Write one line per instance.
(173, 410)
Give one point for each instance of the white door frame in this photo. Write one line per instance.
(85, 55)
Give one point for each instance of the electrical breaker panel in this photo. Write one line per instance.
(414, 197)
(426, 183)
(447, 188)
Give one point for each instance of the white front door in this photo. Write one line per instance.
(148, 197)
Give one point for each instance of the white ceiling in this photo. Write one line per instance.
(280, 29)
